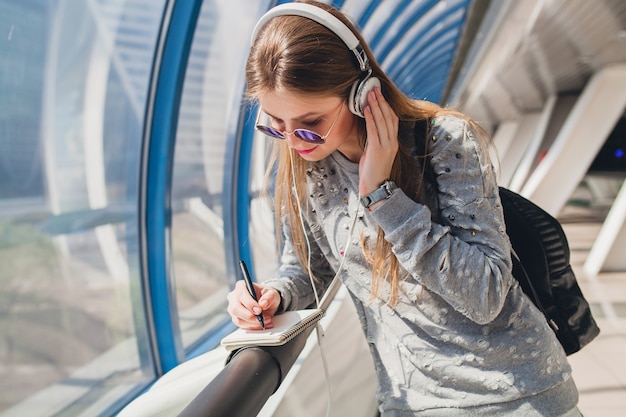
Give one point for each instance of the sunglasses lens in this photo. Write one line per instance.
(270, 131)
(305, 135)
(308, 136)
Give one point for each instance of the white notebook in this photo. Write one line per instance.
(286, 326)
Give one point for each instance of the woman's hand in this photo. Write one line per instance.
(243, 309)
(382, 143)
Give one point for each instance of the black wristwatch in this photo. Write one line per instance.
(385, 191)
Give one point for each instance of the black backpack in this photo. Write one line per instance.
(541, 264)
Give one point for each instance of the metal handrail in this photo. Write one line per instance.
(251, 375)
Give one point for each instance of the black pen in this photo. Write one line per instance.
(248, 280)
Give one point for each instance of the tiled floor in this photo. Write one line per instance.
(600, 368)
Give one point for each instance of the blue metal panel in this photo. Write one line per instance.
(243, 181)
(423, 56)
(236, 192)
(417, 14)
(363, 19)
(415, 71)
(432, 85)
(431, 81)
(385, 27)
(160, 132)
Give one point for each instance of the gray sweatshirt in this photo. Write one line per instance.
(463, 339)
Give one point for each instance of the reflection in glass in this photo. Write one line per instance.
(206, 129)
(74, 79)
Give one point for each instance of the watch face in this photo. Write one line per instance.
(390, 187)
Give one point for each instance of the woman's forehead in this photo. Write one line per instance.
(287, 105)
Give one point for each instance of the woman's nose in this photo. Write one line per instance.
(289, 136)
(291, 139)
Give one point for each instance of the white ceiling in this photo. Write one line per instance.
(528, 50)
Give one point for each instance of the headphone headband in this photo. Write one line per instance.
(322, 17)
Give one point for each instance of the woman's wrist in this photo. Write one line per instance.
(379, 195)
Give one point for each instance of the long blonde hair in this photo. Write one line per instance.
(296, 54)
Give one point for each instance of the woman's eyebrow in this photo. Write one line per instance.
(299, 118)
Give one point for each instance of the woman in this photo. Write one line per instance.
(415, 214)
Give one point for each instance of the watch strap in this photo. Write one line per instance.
(381, 193)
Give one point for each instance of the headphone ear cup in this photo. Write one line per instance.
(358, 94)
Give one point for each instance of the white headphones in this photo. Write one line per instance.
(358, 94)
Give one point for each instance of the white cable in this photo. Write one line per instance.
(308, 244)
(320, 334)
(318, 328)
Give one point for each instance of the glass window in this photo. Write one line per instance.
(74, 77)
(262, 229)
(206, 137)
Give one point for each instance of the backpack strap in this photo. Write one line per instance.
(520, 274)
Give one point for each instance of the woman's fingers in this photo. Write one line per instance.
(390, 117)
(382, 143)
(269, 300)
(383, 125)
(243, 309)
(241, 315)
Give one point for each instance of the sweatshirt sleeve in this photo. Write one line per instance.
(292, 280)
(466, 258)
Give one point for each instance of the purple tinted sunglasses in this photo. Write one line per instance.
(303, 134)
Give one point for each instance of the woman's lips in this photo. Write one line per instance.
(305, 151)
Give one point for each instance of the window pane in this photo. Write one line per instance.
(74, 77)
(262, 230)
(208, 117)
